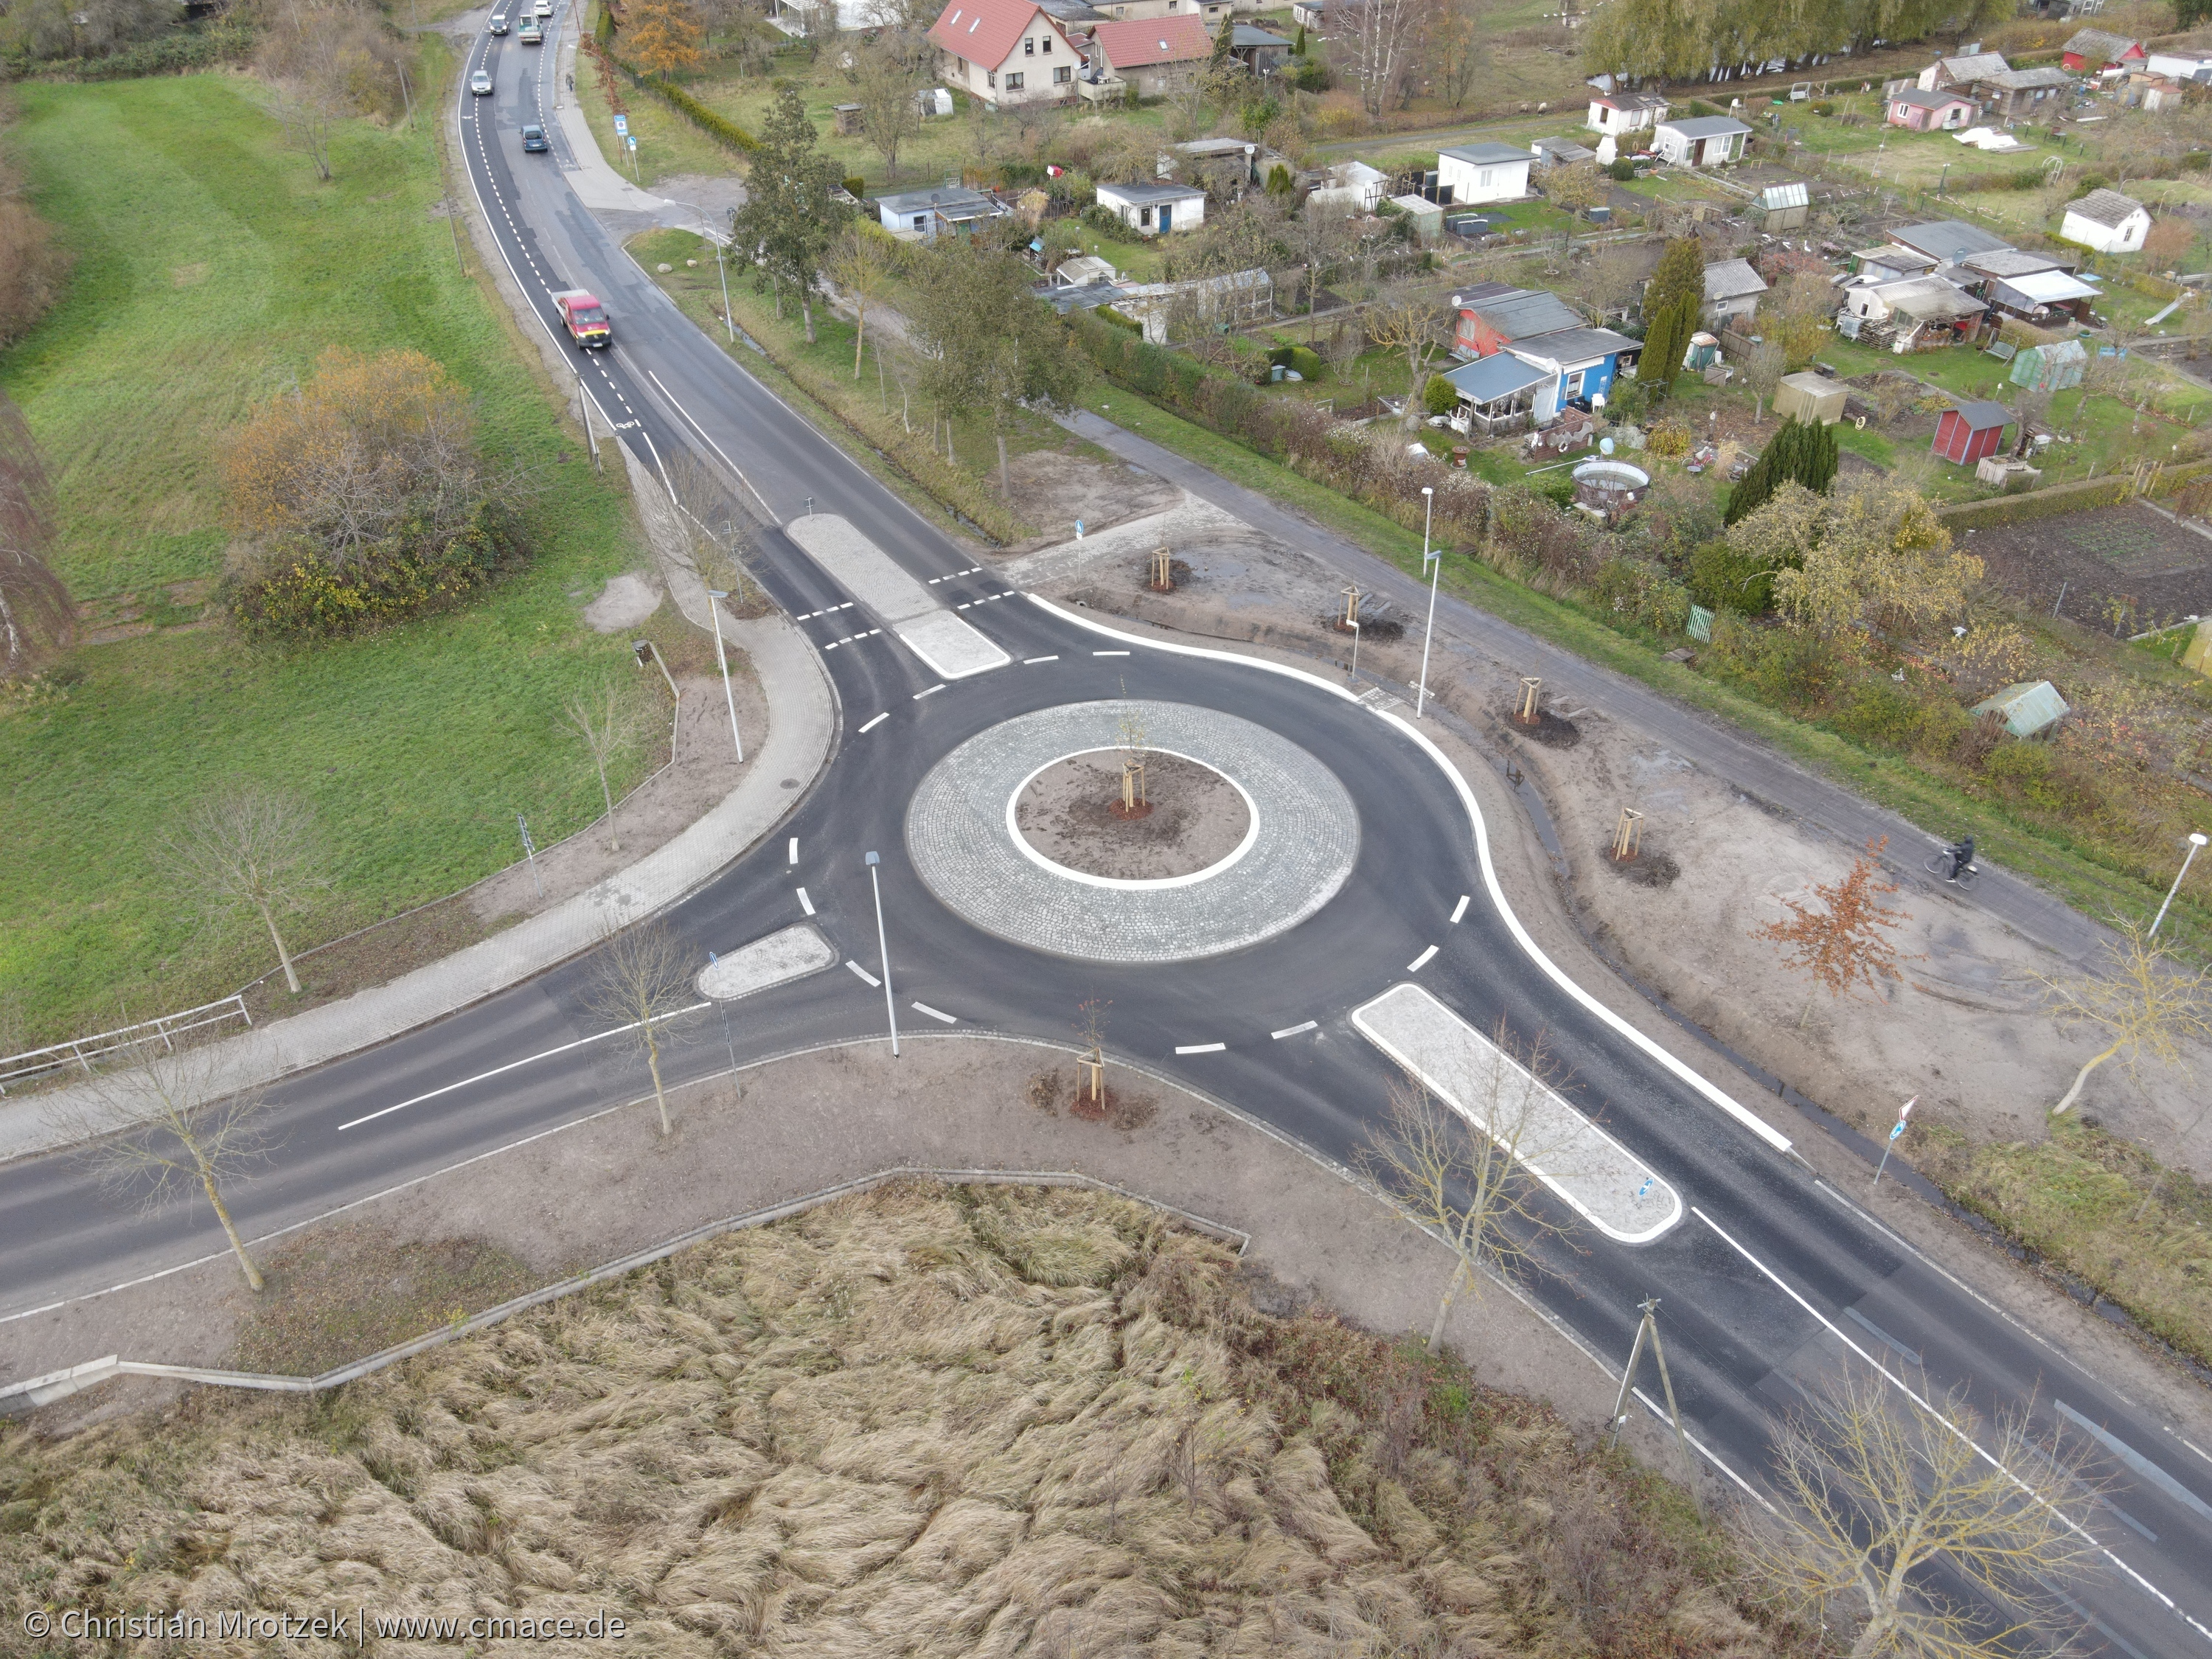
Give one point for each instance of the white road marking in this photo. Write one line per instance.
(1421, 961)
(1459, 909)
(960, 607)
(862, 972)
(919, 695)
(514, 1064)
(794, 849)
(877, 721)
(1200, 1048)
(1293, 1030)
(1109, 654)
(934, 1013)
(1028, 661)
(1651, 1405)
(2135, 1459)
(805, 902)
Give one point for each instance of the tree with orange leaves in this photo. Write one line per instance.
(662, 35)
(1842, 942)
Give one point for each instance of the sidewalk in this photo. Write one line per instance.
(598, 186)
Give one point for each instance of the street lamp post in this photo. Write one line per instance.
(883, 950)
(723, 662)
(1434, 565)
(2196, 840)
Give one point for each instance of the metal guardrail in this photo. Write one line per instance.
(82, 1051)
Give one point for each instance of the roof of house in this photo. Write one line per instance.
(1898, 258)
(1974, 66)
(1083, 270)
(2102, 45)
(2028, 80)
(1486, 155)
(1980, 413)
(2105, 207)
(1151, 195)
(953, 201)
(982, 31)
(1630, 101)
(1072, 11)
(1520, 312)
(1488, 379)
(2045, 287)
(2010, 262)
(1569, 346)
(1138, 42)
(1704, 126)
(1731, 279)
(1928, 299)
(1920, 99)
(1563, 150)
(1203, 146)
(1946, 241)
(1795, 194)
(1341, 173)
(1248, 35)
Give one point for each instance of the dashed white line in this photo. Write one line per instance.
(805, 902)
(862, 972)
(1027, 662)
(1201, 1048)
(919, 695)
(934, 1013)
(1459, 909)
(794, 850)
(1293, 1030)
(877, 721)
(1421, 961)
(1109, 654)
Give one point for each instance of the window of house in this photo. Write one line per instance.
(1145, 214)
(1029, 48)
(991, 79)
(1014, 82)
(921, 221)
(1484, 182)
(1048, 45)
(1575, 383)
(1062, 75)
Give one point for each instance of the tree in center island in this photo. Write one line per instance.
(790, 220)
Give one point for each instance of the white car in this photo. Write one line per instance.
(545, 8)
(480, 83)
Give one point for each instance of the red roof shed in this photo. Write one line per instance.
(1971, 431)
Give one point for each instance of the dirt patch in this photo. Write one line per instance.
(1059, 489)
(1552, 731)
(1069, 812)
(626, 601)
(2129, 558)
(344, 1291)
(1647, 869)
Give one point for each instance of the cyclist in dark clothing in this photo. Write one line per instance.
(1962, 859)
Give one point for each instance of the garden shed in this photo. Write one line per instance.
(1810, 397)
(2027, 707)
(1971, 431)
(2051, 367)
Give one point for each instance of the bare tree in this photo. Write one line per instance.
(1320, 237)
(1377, 37)
(1465, 1175)
(249, 847)
(1882, 1487)
(606, 720)
(2146, 1004)
(309, 109)
(860, 266)
(1843, 944)
(161, 1127)
(722, 536)
(884, 86)
(36, 613)
(1762, 372)
(640, 977)
(1413, 324)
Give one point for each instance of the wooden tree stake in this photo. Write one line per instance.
(1628, 834)
(1163, 570)
(1526, 714)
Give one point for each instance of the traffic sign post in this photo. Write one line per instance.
(1903, 1113)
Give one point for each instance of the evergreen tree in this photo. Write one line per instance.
(1663, 356)
(1298, 45)
(1222, 42)
(1681, 273)
(1819, 469)
(1801, 453)
(789, 221)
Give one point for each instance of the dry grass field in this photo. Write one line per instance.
(929, 1421)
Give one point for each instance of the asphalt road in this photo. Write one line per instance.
(1768, 1285)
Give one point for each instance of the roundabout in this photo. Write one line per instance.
(1021, 831)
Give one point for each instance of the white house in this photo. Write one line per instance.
(1005, 52)
(1703, 140)
(1350, 184)
(925, 215)
(1155, 55)
(1616, 114)
(1154, 209)
(1732, 291)
(2106, 221)
(1484, 172)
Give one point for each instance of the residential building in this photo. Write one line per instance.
(1210, 12)
(1703, 140)
(1078, 15)
(2021, 95)
(1931, 112)
(1971, 431)
(1583, 361)
(1732, 291)
(2010, 262)
(1945, 73)
(1261, 52)
(2156, 95)
(1350, 183)
(1484, 172)
(1618, 114)
(1005, 52)
(1155, 56)
(1310, 14)
(2176, 66)
(1169, 311)
(1494, 315)
(1155, 209)
(1892, 263)
(1920, 311)
(2106, 221)
(1240, 153)
(925, 215)
(2092, 51)
(1548, 153)
(1947, 242)
(2048, 299)
(1499, 394)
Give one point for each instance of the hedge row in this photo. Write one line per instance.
(718, 127)
(2081, 497)
(172, 54)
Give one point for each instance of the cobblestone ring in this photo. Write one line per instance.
(1303, 839)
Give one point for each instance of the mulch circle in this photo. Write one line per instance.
(1143, 809)
(1178, 576)
(1547, 729)
(1646, 869)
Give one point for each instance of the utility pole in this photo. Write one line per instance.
(1650, 1329)
(1434, 565)
(883, 950)
(723, 662)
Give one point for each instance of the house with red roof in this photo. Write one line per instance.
(2092, 51)
(1005, 52)
(1155, 55)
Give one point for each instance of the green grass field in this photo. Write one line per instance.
(212, 268)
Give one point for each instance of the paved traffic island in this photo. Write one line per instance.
(1190, 890)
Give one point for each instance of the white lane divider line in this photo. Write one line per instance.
(871, 979)
(2135, 1459)
(959, 607)
(1294, 1030)
(877, 721)
(934, 1013)
(1109, 654)
(1201, 1048)
(1032, 661)
(793, 859)
(805, 902)
(1459, 909)
(1421, 961)
(919, 695)
(1706, 1452)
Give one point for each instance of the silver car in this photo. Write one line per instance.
(480, 83)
